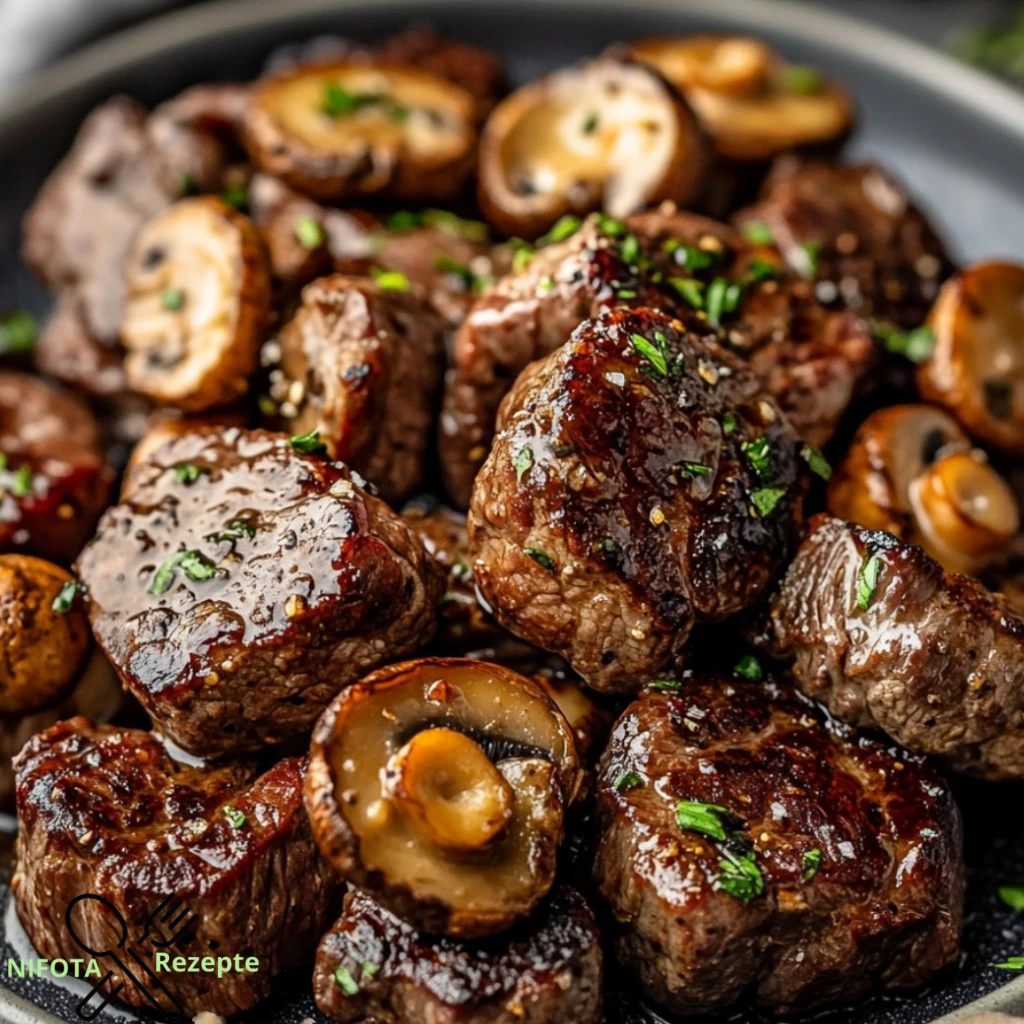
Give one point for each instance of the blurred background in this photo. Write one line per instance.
(987, 33)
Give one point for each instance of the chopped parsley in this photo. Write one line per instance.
(407, 220)
(810, 253)
(1011, 963)
(590, 123)
(816, 461)
(741, 877)
(766, 499)
(308, 444)
(691, 290)
(730, 421)
(194, 564)
(235, 531)
(565, 227)
(21, 487)
(390, 280)
(189, 472)
(66, 597)
(759, 233)
(472, 281)
(337, 102)
(610, 226)
(811, 863)
(654, 354)
(524, 252)
(368, 970)
(235, 816)
(723, 297)
(524, 460)
(542, 558)
(692, 469)
(1012, 896)
(748, 667)
(804, 80)
(347, 984)
(691, 257)
(309, 233)
(172, 299)
(762, 270)
(915, 345)
(759, 453)
(627, 781)
(236, 196)
(546, 285)
(867, 580)
(707, 819)
(18, 333)
(630, 249)
(665, 685)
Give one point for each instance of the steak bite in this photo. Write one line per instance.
(442, 785)
(107, 812)
(642, 483)
(748, 848)
(78, 230)
(808, 358)
(241, 584)
(361, 365)
(54, 481)
(373, 966)
(856, 233)
(878, 633)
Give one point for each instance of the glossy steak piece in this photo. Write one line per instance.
(106, 812)
(855, 230)
(372, 966)
(881, 635)
(241, 584)
(54, 481)
(749, 848)
(642, 483)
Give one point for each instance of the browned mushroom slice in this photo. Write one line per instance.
(976, 368)
(197, 304)
(607, 135)
(43, 630)
(348, 130)
(753, 104)
(441, 784)
(911, 471)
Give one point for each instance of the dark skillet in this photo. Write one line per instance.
(957, 138)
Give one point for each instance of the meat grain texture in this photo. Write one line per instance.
(241, 584)
(858, 850)
(642, 483)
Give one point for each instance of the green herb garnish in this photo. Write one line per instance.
(1012, 963)
(665, 685)
(21, 487)
(235, 816)
(626, 781)
(522, 256)
(766, 499)
(915, 345)
(347, 984)
(337, 101)
(1012, 896)
(630, 249)
(761, 270)
(759, 233)
(236, 196)
(651, 352)
(691, 290)
(368, 970)
(804, 80)
(66, 597)
(816, 461)
(407, 220)
(730, 421)
(867, 580)
(390, 280)
(195, 565)
(810, 258)
(565, 227)
(18, 333)
(811, 863)
(610, 226)
(590, 123)
(723, 297)
(748, 667)
(189, 185)
(542, 558)
(524, 460)
(692, 469)
(707, 819)
(741, 877)
(189, 472)
(309, 233)
(172, 299)
(472, 281)
(759, 453)
(308, 444)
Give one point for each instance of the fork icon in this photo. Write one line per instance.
(165, 918)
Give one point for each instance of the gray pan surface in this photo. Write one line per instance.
(954, 136)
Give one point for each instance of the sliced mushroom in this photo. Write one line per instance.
(43, 631)
(348, 129)
(607, 135)
(976, 368)
(197, 305)
(911, 471)
(441, 784)
(753, 104)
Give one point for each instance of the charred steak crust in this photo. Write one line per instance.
(809, 359)
(368, 363)
(626, 500)
(137, 827)
(934, 660)
(545, 971)
(855, 228)
(235, 605)
(878, 905)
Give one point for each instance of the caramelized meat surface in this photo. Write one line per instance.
(241, 584)
(747, 848)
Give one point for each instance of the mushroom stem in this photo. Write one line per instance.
(444, 782)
